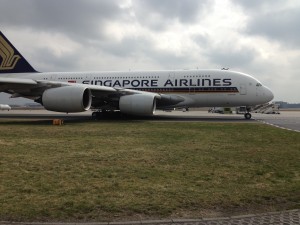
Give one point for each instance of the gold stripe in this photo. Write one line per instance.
(9, 59)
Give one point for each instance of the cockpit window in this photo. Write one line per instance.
(258, 85)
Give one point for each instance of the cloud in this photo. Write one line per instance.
(232, 58)
(274, 20)
(76, 18)
(255, 37)
(257, 5)
(230, 52)
(158, 15)
(282, 26)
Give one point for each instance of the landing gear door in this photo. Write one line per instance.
(243, 89)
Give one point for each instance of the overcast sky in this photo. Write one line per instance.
(261, 38)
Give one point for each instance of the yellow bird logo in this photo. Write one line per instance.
(7, 53)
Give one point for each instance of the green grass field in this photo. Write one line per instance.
(104, 171)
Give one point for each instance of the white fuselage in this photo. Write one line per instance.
(199, 88)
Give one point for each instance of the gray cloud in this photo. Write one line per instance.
(157, 14)
(47, 60)
(87, 41)
(140, 48)
(282, 26)
(225, 54)
(273, 20)
(256, 5)
(232, 58)
(202, 40)
(127, 47)
(76, 18)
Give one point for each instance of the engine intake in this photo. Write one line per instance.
(67, 99)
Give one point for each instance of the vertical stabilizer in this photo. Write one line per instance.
(11, 61)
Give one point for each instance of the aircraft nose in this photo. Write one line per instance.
(268, 94)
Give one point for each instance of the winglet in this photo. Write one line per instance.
(11, 61)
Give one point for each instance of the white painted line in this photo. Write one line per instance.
(277, 126)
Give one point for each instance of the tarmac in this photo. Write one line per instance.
(288, 120)
(291, 217)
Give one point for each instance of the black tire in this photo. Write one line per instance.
(94, 115)
(248, 116)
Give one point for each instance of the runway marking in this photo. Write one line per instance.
(277, 126)
(290, 217)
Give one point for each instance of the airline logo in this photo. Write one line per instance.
(7, 53)
(169, 83)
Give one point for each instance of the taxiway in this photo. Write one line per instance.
(289, 120)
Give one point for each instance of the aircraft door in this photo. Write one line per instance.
(172, 79)
(53, 77)
(243, 89)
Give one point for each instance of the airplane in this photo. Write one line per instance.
(5, 107)
(134, 92)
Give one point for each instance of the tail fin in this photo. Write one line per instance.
(11, 61)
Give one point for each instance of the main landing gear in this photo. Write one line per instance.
(106, 114)
(97, 115)
(248, 115)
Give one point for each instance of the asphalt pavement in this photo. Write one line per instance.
(291, 217)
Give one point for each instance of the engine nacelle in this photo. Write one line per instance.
(138, 104)
(67, 99)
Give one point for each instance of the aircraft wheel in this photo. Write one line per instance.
(94, 115)
(247, 116)
(97, 115)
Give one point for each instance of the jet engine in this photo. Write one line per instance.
(138, 104)
(67, 99)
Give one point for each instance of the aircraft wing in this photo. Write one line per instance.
(16, 85)
(5, 80)
(19, 87)
(34, 89)
(53, 84)
(97, 90)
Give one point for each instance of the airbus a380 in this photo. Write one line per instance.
(135, 93)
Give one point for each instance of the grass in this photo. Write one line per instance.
(103, 171)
